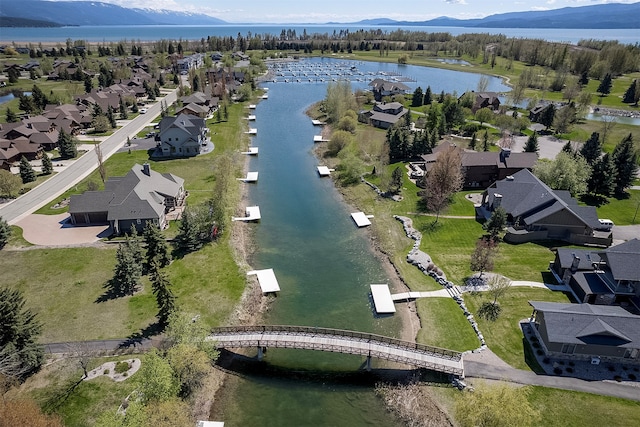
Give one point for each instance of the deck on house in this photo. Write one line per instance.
(361, 219)
(324, 171)
(266, 279)
(251, 177)
(253, 214)
(253, 151)
(382, 299)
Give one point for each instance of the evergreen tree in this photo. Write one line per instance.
(165, 299)
(548, 115)
(26, 171)
(603, 177)
(5, 232)
(188, 239)
(161, 81)
(428, 97)
(605, 85)
(39, 98)
(626, 163)
(127, 272)
(88, 83)
(396, 180)
(47, 166)
(26, 104)
(473, 142)
(630, 94)
(485, 141)
(531, 145)
(421, 143)
(11, 116)
(123, 109)
(176, 79)
(496, 223)
(592, 148)
(112, 118)
(66, 145)
(135, 247)
(157, 248)
(584, 78)
(20, 352)
(568, 148)
(417, 98)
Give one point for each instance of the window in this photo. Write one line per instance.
(568, 348)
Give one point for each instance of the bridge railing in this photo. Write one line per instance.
(361, 336)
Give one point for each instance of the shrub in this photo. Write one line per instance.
(121, 367)
(557, 371)
(106, 372)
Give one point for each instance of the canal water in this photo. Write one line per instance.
(324, 265)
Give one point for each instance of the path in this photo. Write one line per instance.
(485, 364)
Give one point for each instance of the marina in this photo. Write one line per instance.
(323, 72)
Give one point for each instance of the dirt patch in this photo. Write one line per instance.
(414, 405)
(108, 369)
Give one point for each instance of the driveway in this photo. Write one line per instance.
(548, 146)
(626, 232)
(56, 230)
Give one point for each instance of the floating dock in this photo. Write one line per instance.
(210, 424)
(253, 151)
(319, 138)
(265, 96)
(253, 214)
(251, 117)
(252, 131)
(382, 300)
(361, 219)
(317, 122)
(251, 177)
(252, 106)
(267, 280)
(324, 171)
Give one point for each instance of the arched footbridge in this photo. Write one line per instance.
(340, 341)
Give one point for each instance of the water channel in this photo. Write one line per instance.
(323, 263)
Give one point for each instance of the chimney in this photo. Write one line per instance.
(497, 201)
(146, 169)
(575, 263)
(504, 153)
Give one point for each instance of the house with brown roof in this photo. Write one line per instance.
(141, 196)
(483, 168)
(382, 88)
(609, 276)
(536, 212)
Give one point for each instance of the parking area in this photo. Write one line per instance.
(56, 230)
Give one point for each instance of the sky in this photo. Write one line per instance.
(322, 11)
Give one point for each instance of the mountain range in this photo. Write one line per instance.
(37, 13)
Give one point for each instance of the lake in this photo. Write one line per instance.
(197, 32)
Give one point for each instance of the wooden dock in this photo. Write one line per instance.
(361, 219)
(253, 214)
(267, 280)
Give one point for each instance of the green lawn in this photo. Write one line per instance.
(504, 336)
(622, 211)
(455, 333)
(577, 409)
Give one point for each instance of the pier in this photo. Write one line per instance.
(253, 214)
(361, 219)
(266, 279)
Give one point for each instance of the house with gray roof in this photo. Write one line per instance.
(536, 212)
(609, 276)
(181, 136)
(586, 331)
(131, 200)
(384, 114)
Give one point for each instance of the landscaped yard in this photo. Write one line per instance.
(443, 324)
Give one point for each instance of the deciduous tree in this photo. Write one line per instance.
(443, 179)
(566, 172)
(483, 256)
(10, 184)
(158, 382)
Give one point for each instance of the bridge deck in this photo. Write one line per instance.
(348, 342)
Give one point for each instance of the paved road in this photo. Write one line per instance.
(504, 372)
(79, 169)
